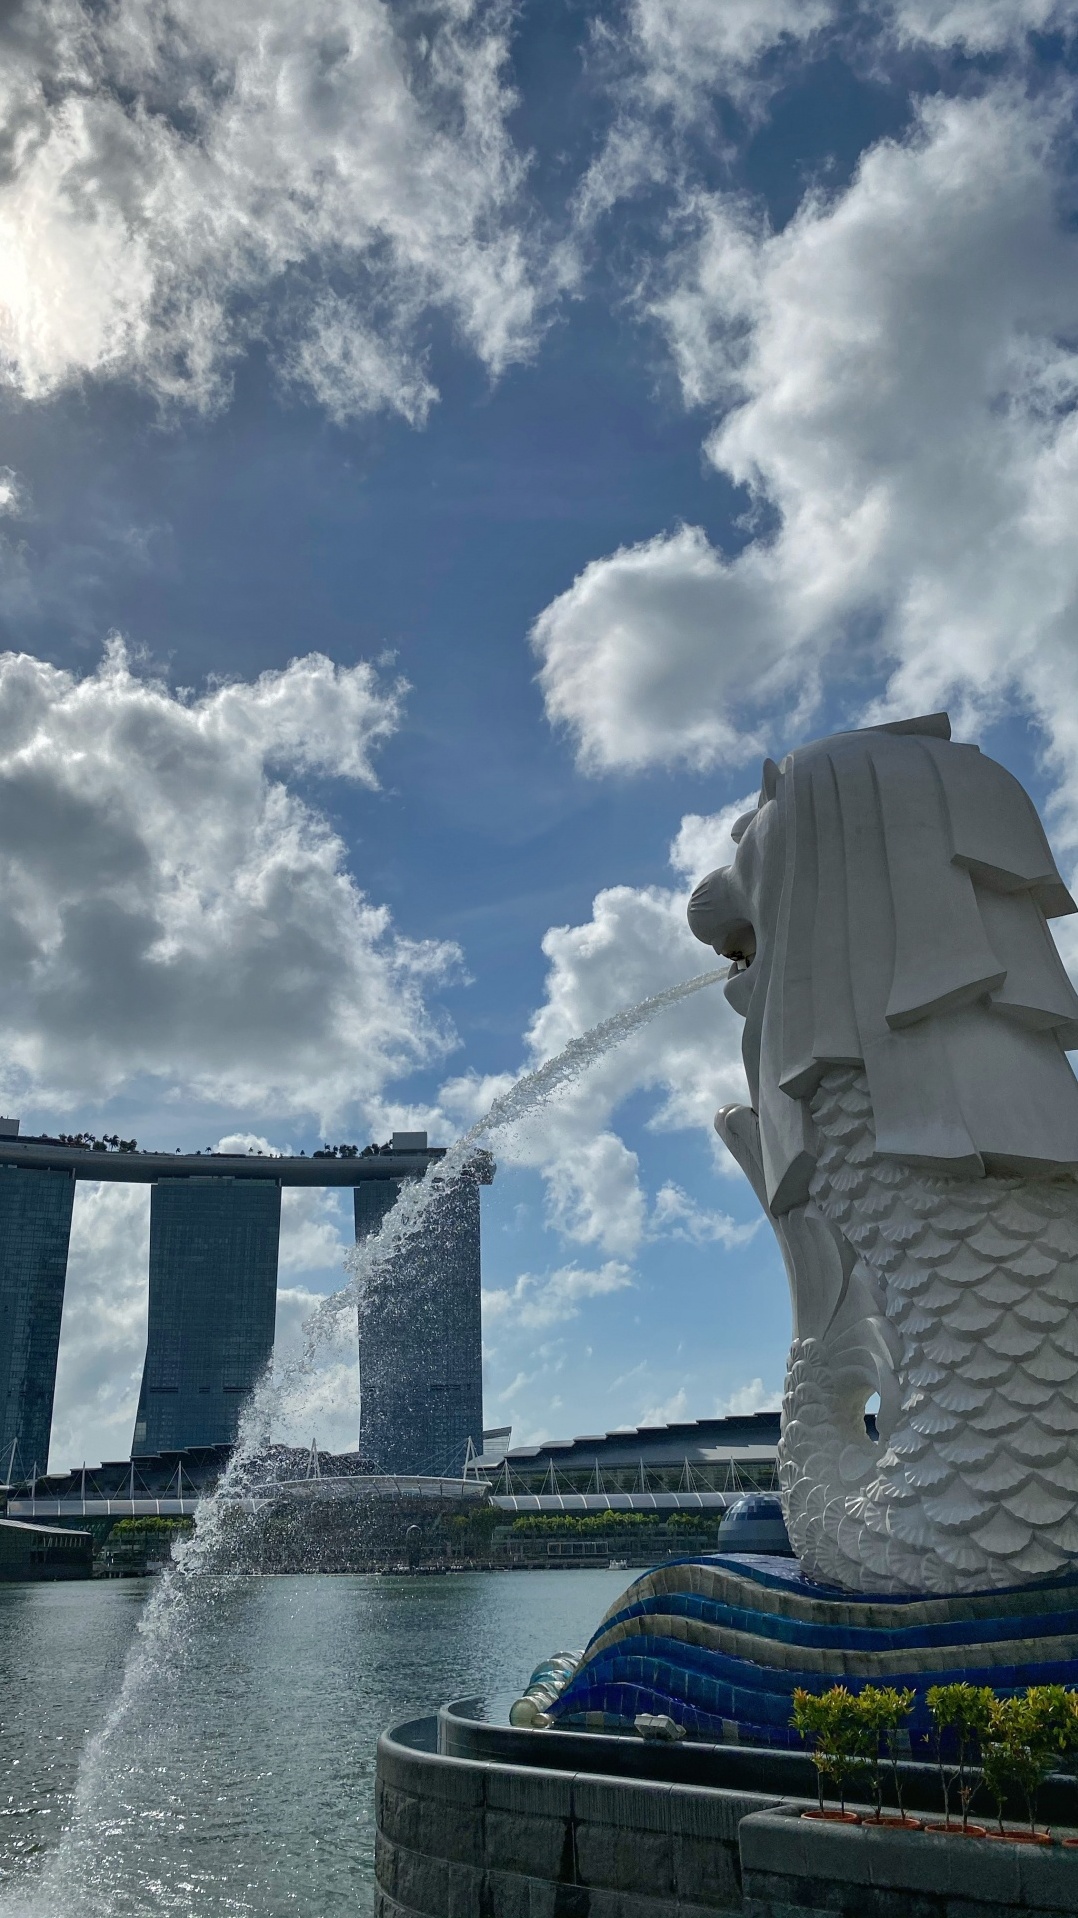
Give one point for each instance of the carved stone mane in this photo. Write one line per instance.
(913, 1136)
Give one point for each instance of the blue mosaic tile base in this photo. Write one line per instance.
(720, 1644)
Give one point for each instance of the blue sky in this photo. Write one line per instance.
(443, 450)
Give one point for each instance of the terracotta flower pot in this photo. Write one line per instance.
(1021, 1837)
(901, 1824)
(836, 1817)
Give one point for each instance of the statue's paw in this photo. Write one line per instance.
(739, 1129)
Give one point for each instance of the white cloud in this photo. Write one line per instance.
(753, 1397)
(181, 182)
(686, 48)
(675, 1215)
(703, 839)
(623, 1378)
(103, 1335)
(660, 654)
(13, 497)
(979, 26)
(317, 1231)
(516, 1385)
(533, 1304)
(636, 944)
(103, 1338)
(900, 381)
(324, 1404)
(171, 909)
(666, 64)
(246, 1145)
(671, 1412)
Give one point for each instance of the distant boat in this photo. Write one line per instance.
(618, 1565)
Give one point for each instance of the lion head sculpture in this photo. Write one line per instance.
(913, 1135)
(887, 908)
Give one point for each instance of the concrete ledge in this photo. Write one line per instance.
(461, 1837)
(790, 1864)
(469, 1837)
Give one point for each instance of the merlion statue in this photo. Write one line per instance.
(913, 1138)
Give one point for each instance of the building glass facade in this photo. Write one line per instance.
(212, 1308)
(420, 1335)
(35, 1230)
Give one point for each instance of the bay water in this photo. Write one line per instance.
(244, 1781)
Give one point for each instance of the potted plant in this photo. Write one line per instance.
(1020, 1749)
(840, 1742)
(809, 1717)
(884, 1710)
(1058, 1710)
(961, 1714)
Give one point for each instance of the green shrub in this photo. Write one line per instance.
(884, 1710)
(841, 1735)
(1025, 1739)
(129, 1530)
(589, 1524)
(1055, 1714)
(965, 1711)
(1011, 1743)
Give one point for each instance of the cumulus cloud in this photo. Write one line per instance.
(247, 1145)
(896, 384)
(671, 1412)
(324, 1403)
(704, 840)
(317, 1230)
(664, 653)
(534, 1304)
(12, 492)
(635, 944)
(753, 1397)
(180, 182)
(171, 909)
(103, 1335)
(677, 1216)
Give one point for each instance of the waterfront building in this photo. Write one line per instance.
(212, 1308)
(420, 1332)
(691, 1464)
(215, 1221)
(29, 1553)
(35, 1228)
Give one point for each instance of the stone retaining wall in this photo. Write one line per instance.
(791, 1867)
(459, 1838)
(462, 1837)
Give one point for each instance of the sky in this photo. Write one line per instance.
(443, 448)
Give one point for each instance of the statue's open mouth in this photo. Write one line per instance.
(739, 946)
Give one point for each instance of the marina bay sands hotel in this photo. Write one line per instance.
(214, 1231)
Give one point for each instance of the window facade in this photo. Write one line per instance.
(212, 1308)
(35, 1229)
(420, 1339)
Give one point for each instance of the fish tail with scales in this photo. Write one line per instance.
(960, 1299)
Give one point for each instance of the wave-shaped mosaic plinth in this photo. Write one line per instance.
(720, 1644)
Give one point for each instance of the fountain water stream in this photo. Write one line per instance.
(76, 1875)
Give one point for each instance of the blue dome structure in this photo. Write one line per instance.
(755, 1524)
